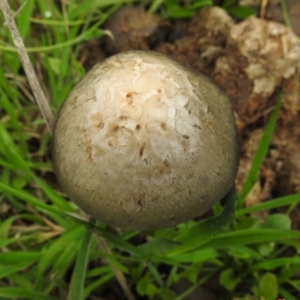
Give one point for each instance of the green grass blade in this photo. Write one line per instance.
(20, 293)
(13, 114)
(13, 154)
(260, 153)
(17, 257)
(4, 227)
(153, 270)
(25, 196)
(250, 236)
(22, 18)
(52, 195)
(6, 270)
(155, 5)
(103, 3)
(197, 256)
(91, 33)
(11, 151)
(51, 253)
(286, 294)
(19, 280)
(96, 284)
(65, 260)
(271, 204)
(285, 14)
(7, 242)
(76, 291)
(272, 264)
(206, 230)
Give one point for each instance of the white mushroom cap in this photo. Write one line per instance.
(144, 142)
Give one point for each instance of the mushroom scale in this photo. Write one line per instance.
(144, 142)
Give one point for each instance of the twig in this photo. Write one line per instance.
(31, 76)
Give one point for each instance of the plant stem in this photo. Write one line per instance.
(31, 75)
(119, 275)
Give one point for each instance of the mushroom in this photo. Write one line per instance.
(144, 142)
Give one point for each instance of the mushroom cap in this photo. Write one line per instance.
(144, 142)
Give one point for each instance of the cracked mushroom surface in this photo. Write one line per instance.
(143, 142)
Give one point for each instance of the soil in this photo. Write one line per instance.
(251, 61)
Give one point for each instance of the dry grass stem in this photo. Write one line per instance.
(263, 6)
(31, 76)
(119, 275)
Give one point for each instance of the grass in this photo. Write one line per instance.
(51, 251)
